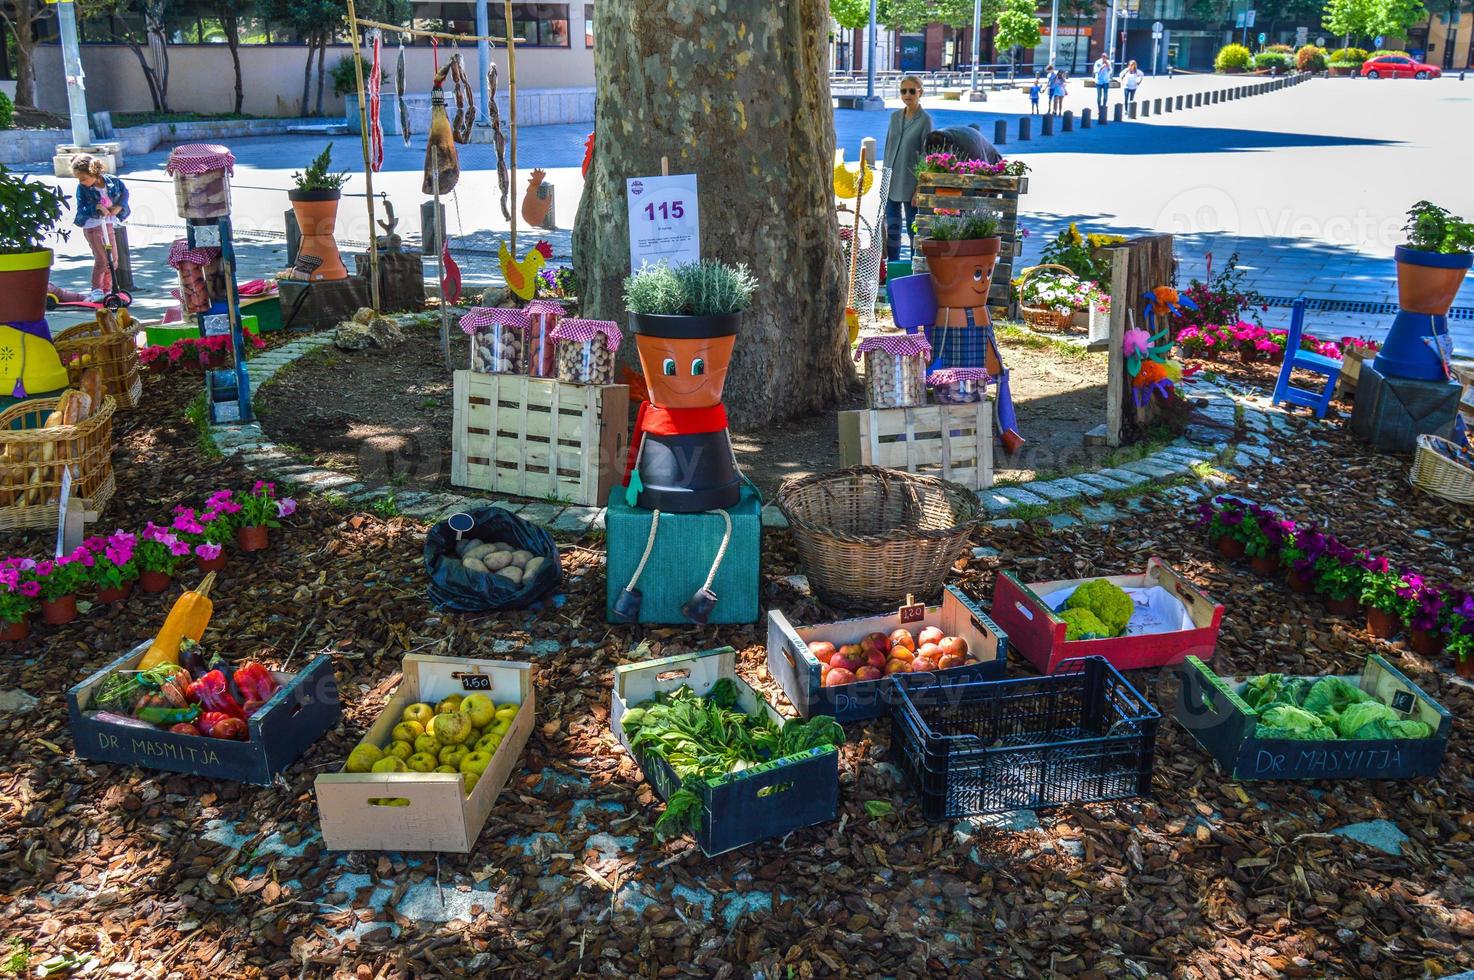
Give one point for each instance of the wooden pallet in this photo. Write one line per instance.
(954, 442)
(535, 437)
(998, 193)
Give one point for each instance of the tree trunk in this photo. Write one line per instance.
(231, 24)
(158, 47)
(148, 75)
(740, 98)
(25, 64)
(322, 57)
(307, 75)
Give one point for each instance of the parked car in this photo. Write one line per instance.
(1398, 66)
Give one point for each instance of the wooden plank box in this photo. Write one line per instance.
(766, 800)
(1037, 633)
(954, 442)
(1210, 708)
(440, 815)
(305, 706)
(533, 437)
(797, 670)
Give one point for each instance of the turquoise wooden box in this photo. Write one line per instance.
(684, 549)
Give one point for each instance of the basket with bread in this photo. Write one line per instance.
(109, 344)
(41, 438)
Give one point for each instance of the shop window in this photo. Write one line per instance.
(543, 25)
(588, 25)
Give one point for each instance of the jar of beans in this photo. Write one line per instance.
(542, 321)
(895, 369)
(586, 350)
(958, 386)
(201, 173)
(498, 339)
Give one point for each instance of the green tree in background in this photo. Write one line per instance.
(1351, 18)
(1018, 27)
(850, 14)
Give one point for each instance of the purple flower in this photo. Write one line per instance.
(286, 507)
(177, 547)
(208, 552)
(187, 522)
(29, 589)
(1233, 518)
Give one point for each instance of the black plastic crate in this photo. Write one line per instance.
(1082, 735)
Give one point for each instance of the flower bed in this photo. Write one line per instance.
(1252, 342)
(192, 353)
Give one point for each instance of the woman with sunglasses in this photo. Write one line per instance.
(904, 140)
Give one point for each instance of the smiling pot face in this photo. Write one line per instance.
(685, 372)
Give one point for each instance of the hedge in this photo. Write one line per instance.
(1232, 57)
(1310, 58)
(1272, 60)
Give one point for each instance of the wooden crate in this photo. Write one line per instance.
(534, 437)
(975, 191)
(953, 442)
(439, 816)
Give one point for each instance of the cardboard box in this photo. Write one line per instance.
(440, 815)
(768, 800)
(797, 670)
(305, 706)
(1210, 708)
(1037, 633)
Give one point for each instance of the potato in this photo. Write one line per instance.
(495, 561)
(521, 558)
(511, 574)
(474, 565)
(498, 546)
(478, 550)
(533, 566)
(464, 545)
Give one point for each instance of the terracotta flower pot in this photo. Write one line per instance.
(317, 216)
(1383, 625)
(1230, 547)
(1427, 643)
(115, 595)
(1277, 356)
(1464, 668)
(1343, 607)
(1265, 565)
(1299, 583)
(1428, 281)
(961, 272)
(211, 565)
(154, 581)
(23, 279)
(59, 611)
(251, 538)
(15, 632)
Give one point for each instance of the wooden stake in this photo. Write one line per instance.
(440, 35)
(368, 165)
(512, 115)
(665, 166)
(439, 262)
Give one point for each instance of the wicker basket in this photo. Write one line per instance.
(1435, 472)
(1039, 317)
(109, 347)
(30, 458)
(867, 536)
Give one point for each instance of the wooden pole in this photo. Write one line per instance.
(512, 114)
(439, 262)
(441, 35)
(368, 163)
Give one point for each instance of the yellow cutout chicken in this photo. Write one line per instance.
(522, 276)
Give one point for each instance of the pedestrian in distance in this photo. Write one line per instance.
(1130, 79)
(102, 204)
(1062, 89)
(1102, 83)
(1034, 94)
(909, 127)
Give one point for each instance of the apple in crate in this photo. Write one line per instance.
(922, 665)
(897, 666)
(931, 634)
(838, 676)
(868, 673)
(902, 638)
(823, 650)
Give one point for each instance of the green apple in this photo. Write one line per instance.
(507, 711)
(471, 779)
(422, 762)
(502, 726)
(450, 769)
(407, 731)
(480, 708)
(428, 743)
(402, 750)
(388, 801)
(449, 704)
(363, 757)
(452, 755)
(390, 763)
(420, 712)
(451, 729)
(475, 762)
(488, 743)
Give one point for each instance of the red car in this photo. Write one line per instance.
(1398, 66)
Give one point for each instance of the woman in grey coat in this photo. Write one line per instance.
(903, 143)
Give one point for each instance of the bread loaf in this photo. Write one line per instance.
(91, 385)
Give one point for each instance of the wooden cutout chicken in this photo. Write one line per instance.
(522, 276)
(537, 202)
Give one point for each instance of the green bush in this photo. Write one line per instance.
(1280, 48)
(345, 82)
(1272, 61)
(1352, 58)
(7, 111)
(1383, 53)
(1311, 58)
(1232, 57)
(705, 288)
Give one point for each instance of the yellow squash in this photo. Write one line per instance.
(188, 618)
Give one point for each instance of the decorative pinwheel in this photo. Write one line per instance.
(1155, 342)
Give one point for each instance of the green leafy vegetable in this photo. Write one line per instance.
(1267, 690)
(1110, 603)
(1367, 719)
(1410, 728)
(1331, 695)
(1288, 721)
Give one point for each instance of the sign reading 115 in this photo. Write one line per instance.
(668, 211)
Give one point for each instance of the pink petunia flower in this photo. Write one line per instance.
(208, 552)
(286, 507)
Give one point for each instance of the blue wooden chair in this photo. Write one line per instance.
(1304, 360)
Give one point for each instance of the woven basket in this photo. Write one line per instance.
(1436, 473)
(109, 347)
(1039, 317)
(868, 537)
(31, 458)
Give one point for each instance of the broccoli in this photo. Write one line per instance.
(1082, 624)
(1110, 604)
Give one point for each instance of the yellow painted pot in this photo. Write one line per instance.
(23, 277)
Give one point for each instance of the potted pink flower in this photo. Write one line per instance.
(114, 565)
(207, 531)
(60, 579)
(260, 510)
(19, 591)
(160, 552)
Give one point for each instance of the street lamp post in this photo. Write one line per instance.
(977, 44)
(1054, 30)
(71, 56)
(872, 101)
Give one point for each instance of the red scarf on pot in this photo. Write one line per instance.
(671, 422)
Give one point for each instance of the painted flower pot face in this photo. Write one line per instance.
(685, 358)
(1428, 281)
(317, 217)
(961, 272)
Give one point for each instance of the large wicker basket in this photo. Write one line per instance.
(867, 536)
(31, 459)
(112, 348)
(1437, 472)
(1043, 318)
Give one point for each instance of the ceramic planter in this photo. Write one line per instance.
(1428, 281)
(1464, 667)
(962, 272)
(210, 565)
(1382, 625)
(1230, 547)
(115, 595)
(1265, 565)
(154, 582)
(1343, 607)
(317, 216)
(251, 538)
(59, 611)
(15, 632)
(1299, 583)
(23, 279)
(1427, 643)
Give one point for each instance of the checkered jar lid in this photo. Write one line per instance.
(545, 306)
(180, 253)
(480, 318)
(951, 376)
(895, 344)
(585, 330)
(199, 158)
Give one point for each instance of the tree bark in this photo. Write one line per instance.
(322, 57)
(23, 28)
(231, 24)
(307, 75)
(741, 98)
(148, 74)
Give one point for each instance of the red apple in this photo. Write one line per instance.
(950, 660)
(880, 639)
(822, 651)
(930, 651)
(954, 646)
(921, 665)
(876, 659)
(843, 661)
(897, 666)
(902, 653)
(929, 635)
(839, 676)
(902, 638)
(868, 673)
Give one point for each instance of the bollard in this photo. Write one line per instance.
(1179, 102)
(1024, 126)
(1084, 118)
(1168, 106)
(1068, 121)
(1116, 112)
(1131, 111)
(1146, 108)
(1103, 118)
(1157, 106)
(1000, 132)
(1046, 125)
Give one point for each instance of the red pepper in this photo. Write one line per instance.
(211, 691)
(218, 724)
(254, 682)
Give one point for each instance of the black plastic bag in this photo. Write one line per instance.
(453, 587)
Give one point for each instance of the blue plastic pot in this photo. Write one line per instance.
(913, 304)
